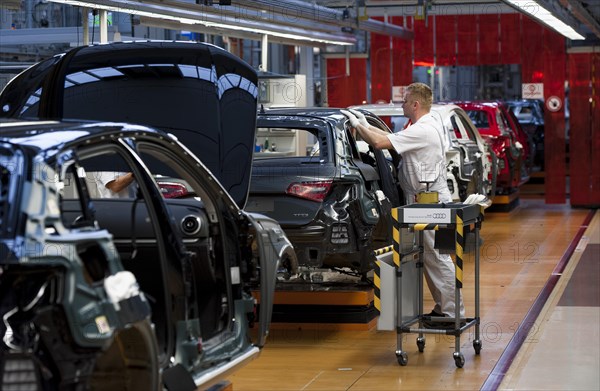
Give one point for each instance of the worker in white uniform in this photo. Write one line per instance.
(422, 149)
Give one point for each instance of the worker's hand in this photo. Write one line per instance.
(353, 120)
(361, 117)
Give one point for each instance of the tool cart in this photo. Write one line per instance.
(451, 222)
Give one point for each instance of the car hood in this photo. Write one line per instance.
(198, 92)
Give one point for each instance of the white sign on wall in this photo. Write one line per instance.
(532, 90)
(398, 93)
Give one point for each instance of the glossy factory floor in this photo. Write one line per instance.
(540, 316)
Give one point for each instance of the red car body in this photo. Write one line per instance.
(495, 128)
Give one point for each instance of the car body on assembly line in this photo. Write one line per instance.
(523, 138)
(332, 197)
(200, 93)
(195, 255)
(471, 165)
(495, 129)
(105, 292)
(530, 114)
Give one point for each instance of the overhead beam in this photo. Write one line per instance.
(583, 15)
(173, 25)
(236, 12)
(189, 16)
(300, 10)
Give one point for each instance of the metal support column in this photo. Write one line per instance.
(264, 53)
(103, 26)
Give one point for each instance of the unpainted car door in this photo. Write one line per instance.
(385, 162)
(470, 153)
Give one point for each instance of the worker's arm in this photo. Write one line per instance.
(120, 183)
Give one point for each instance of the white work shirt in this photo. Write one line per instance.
(104, 177)
(423, 157)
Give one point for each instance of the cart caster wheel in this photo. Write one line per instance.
(402, 358)
(459, 359)
(477, 346)
(421, 344)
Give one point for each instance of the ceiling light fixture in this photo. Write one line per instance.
(538, 12)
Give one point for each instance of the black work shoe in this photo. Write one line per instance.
(428, 324)
(434, 313)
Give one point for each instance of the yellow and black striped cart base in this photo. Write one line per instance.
(449, 221)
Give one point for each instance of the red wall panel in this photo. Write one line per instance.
(423, 48)
(380, 54)
(402, 54)
(342, 90)
(555, 73)
(584, 140)
(489, 39)
(510, 38)
(467, 39)
(445, 40)
(595, 132)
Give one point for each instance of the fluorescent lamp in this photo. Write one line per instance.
(190, 17)
(540, 13)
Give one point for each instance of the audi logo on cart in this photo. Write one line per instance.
(425, 215)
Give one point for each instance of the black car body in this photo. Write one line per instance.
(185, 264)
(202, 94)
(331, 197)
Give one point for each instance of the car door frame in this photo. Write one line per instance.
(163, 228)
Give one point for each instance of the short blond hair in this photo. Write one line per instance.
(421, 92)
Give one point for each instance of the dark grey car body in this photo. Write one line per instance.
(351, 217)
(530, 114)
(189, 321)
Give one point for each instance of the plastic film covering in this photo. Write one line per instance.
(445, 40)
(345, 90)
(380, 67)
(467, 40)
(489, 39)
(402, 57)
(423, 48)
(510, 38)
(531, 47)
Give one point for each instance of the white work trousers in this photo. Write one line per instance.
(440, 276)
(440, 273)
